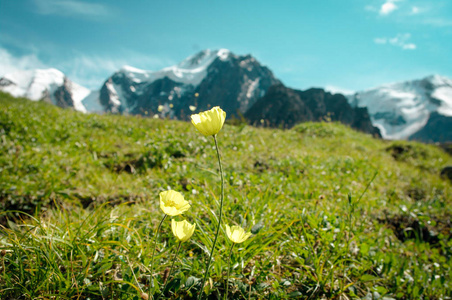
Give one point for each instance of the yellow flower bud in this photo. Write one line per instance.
(209, 122)
(182, 230)
(237, 234)
(173, 203)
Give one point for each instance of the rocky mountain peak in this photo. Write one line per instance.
(204, 58)
(50, 85)
(201, 81)
(401, 109)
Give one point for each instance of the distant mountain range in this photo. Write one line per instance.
(418, 109)
(49, 85)
(285, 107)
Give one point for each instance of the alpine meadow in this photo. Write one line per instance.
(131, 207)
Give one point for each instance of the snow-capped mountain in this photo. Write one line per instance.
(418, 109)
(402, 110)
(206, 79)
(45, 84)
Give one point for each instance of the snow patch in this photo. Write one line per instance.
(79, 93)
(114, 97)
(191, 70)
(253, 84)
(40, 83)
(136, 75)
(444, 94)
(34, 84)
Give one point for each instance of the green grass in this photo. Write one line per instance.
(336, 214)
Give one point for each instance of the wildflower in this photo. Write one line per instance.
(182, 230)
(237, 234)
(209, 122)
(173, 203)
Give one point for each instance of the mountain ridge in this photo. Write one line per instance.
(207, 78)
(285, 107)
(45, 84)
(415, 109)
(402, 109)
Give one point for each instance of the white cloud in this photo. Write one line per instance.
(89, 71)
(409, 46)
(92, 70)
(380, 40)
(388, 7)
(71, 7)
(400, 40)
(438, 22)
(415, 10)
(10, 63)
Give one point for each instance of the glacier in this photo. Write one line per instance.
(401, 109)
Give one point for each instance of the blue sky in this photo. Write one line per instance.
(344, 45)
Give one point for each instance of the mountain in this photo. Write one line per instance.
(437, 129)
(284, 107)
(206, 79)
(45, 84)
(417, 109)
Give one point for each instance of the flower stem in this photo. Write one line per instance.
(172, 265)
(229, 268)
(219, 219)
(151, 277)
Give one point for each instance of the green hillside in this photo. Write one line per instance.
(336, 214)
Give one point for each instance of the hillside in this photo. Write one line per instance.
(335, 212)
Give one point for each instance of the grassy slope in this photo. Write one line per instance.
(295, 183)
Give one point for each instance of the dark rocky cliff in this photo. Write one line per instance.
(437, 129)
(284, 107)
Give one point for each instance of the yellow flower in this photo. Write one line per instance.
(237, 234)
(182, 230)
(173, 203)
(209, 122)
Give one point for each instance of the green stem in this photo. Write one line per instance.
(4, 269)
(229, 268)
(309, 244)
(151, 277)
(219, 220)
(171, 269)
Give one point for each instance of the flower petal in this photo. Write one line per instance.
(209, 122)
